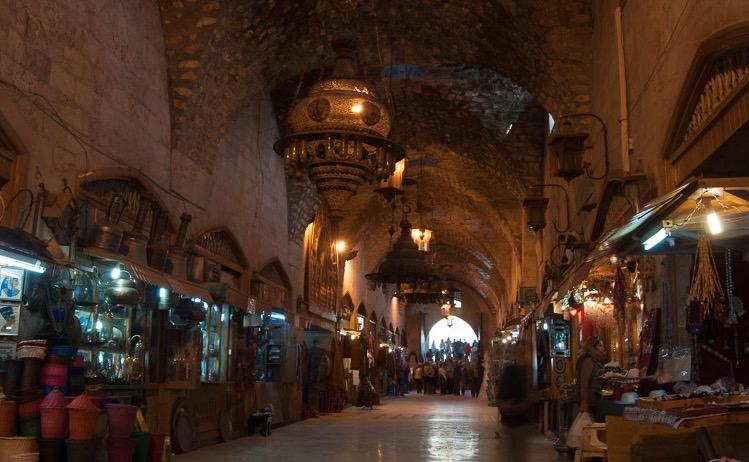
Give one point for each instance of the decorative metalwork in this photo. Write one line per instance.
(320, 274)
(220, 242)
(339, 135)
(567, 150)
(725, 75)
(405, 265)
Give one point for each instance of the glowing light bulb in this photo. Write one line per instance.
(713, 223)
(357, 108)
(546, 326)
(340, 246)
(116, 272)
(99, 325)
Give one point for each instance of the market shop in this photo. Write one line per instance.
(128, 318)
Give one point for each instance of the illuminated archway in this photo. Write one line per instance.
(460, 330)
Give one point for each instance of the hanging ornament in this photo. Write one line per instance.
(705, 287)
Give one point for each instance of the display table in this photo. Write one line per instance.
(622, 435)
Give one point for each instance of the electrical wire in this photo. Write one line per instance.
(50, 111)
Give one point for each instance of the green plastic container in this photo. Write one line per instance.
(30, 427)
(141, 446)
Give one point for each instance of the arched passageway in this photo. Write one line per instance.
(459, 330)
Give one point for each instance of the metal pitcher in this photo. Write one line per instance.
(108, 235)
(177, 255)
(157, 247)
(134, 244)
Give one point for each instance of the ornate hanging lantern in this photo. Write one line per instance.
(567, 151)
(339, 135)
(405, 264)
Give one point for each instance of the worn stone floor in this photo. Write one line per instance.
(413, 428)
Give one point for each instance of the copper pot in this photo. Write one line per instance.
(108, 235)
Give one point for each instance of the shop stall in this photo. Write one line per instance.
(279, 368)
(659, 292)
(139, 320)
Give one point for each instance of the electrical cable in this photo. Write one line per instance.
(82, 142)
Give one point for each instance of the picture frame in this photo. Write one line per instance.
(11, 283)
(7, 350)
(10, 318)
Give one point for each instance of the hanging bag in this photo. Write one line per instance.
(574, 436)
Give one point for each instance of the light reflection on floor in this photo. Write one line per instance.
(414, 428)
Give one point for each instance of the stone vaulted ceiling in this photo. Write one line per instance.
(470, 83)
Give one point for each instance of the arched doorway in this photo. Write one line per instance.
(441, 331)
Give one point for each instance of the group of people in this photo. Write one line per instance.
(450, 377)
(458, 349)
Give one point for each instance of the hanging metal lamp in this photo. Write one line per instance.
(405, 264)
(339, 135)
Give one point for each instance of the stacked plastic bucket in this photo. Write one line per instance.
(120, 445)
(54, 417)
(82, 417)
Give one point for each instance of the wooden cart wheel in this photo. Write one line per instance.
(183, 434)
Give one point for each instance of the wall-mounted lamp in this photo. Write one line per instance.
(567, 149)
(535, 208)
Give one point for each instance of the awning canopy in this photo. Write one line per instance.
(189, 289)
(146, 274)
(152, 276)
(679, 207)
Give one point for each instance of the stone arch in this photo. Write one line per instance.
(95, 184)
(96, 188)
(274, 271)
(220, 242)
(348, 311)
(361, 310)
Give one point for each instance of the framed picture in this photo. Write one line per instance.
(7, 351)
(10, 316)
(11, 284)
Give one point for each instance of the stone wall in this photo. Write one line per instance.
(84, 86)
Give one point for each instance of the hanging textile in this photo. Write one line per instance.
(620, 295)
(336, 378)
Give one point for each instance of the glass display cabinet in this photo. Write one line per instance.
(113, 325)
(215, 335)
(183, 339)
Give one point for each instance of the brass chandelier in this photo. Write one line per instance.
(339, 135)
